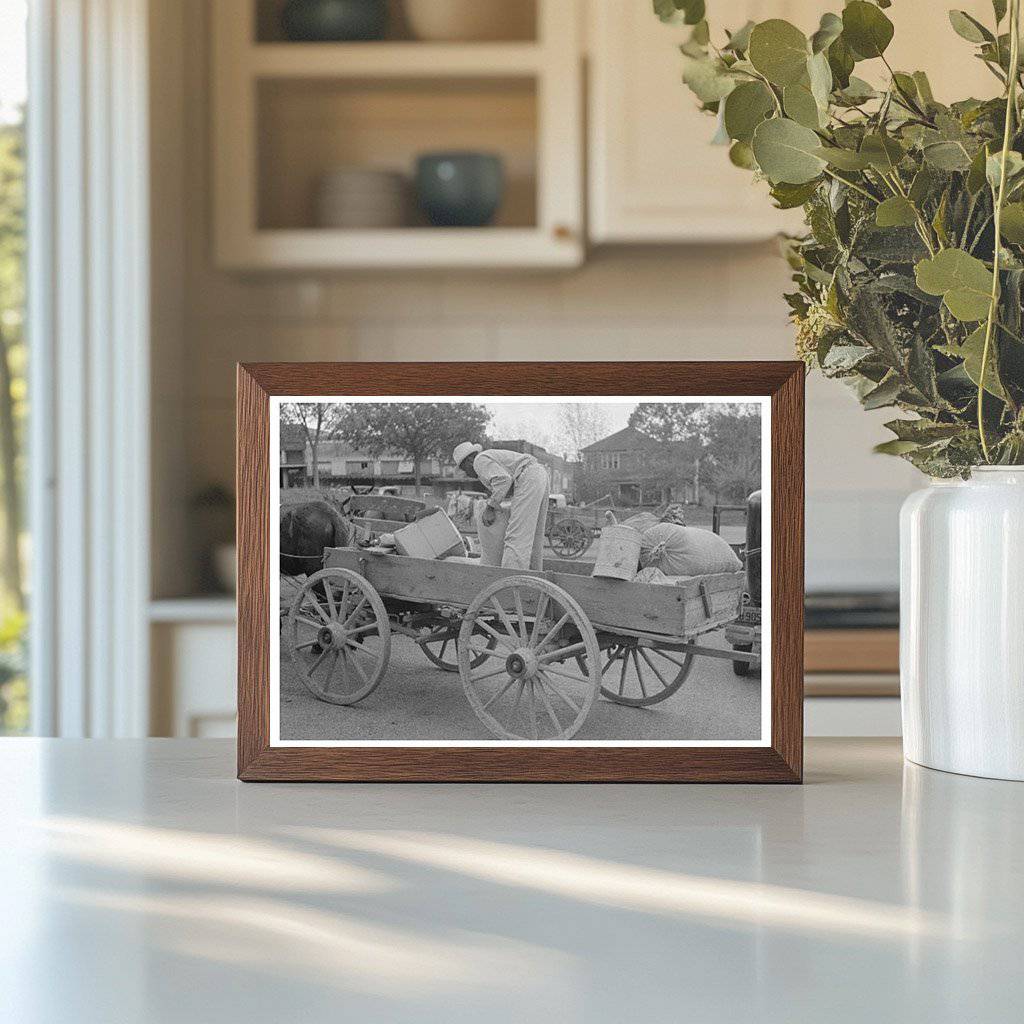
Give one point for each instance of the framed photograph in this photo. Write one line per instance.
(520, 571)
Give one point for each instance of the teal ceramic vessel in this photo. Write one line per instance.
(334, 21)
(460, 189)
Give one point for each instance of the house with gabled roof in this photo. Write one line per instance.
(631, 465)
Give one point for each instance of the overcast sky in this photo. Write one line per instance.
(512, 418)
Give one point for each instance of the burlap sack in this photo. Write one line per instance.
(686, 551)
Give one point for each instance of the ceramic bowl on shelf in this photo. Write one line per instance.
(470, 20)
(362, 197)
(460, 189)
(334, 21)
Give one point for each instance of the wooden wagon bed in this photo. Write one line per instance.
(693, 606)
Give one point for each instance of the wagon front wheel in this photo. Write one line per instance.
(338, 636)
(540, 678)
(638, 676)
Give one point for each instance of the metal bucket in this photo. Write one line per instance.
(618, 553)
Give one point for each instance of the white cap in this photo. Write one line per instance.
(464, 449)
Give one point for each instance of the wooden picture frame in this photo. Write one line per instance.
(779, 759)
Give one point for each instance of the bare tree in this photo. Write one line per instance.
(319, 422)
(581, 424)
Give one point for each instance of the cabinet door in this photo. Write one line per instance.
(653, 174)
(654, 177)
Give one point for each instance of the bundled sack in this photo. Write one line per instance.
(686, 551)
(642, 521)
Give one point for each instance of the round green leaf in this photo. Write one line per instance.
(1012, 224)
(741, 155)
(947, 156)
(787, 152)
(993, 166)
(924, 87)
(740, 39)
(779, 51)
(895, 212)
(866, 29)
(844, 159)
(972, 351)
(745, 108)
(968, 28)
(690, 12)
(976, 173)
(896, 447)
(829, 30)
(883, 152)
(819, 75)
(963, 281)
(707, 79)
(788, 197)
(801, 106)
(840, 62)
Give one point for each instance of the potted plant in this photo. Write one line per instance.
(909, 287)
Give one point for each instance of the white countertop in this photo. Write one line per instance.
(140, 882)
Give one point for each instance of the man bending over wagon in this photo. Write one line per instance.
(514, 538)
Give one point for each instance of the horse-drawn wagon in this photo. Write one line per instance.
(533, 650)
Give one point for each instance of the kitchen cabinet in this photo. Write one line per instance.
(287, 114)
(653, 175)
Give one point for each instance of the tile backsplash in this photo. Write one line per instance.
(719, 302)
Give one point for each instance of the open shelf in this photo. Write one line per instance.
(520, 24)
(309, 127)
(410, 248)
(393, 60)
(286, 114)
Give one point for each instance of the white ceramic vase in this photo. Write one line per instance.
(962, 624)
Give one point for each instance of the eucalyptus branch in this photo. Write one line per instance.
(853, 185)
(977, 237)
(993, 309)
(909, 100)
(769, 87)
(942, 306)
(995, 71)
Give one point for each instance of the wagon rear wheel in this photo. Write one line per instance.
(534, 683)
(640, 676)
(338, 636)
(441, 647)
(569, 538)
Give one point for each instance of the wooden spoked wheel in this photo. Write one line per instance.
(443, 650)
(639, 675)
(540, 678)
(338, 636)
(569, 538)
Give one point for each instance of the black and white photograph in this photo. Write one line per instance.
(520, 570)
